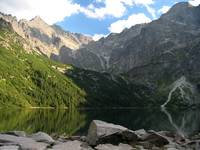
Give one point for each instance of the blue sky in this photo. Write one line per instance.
(86, 25)
(91, 17)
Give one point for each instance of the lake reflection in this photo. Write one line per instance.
(71, 122)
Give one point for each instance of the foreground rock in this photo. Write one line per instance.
(113, 147)
(72, 145)
(42, 137)
(101, 132)
(23, 142)
(101, 136)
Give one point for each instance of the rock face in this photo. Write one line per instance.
(157, 43)
(45, 38)
(97, 55)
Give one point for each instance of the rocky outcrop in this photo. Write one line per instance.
(97, 55)
(98, 131)
(45, 38)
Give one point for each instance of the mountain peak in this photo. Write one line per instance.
(183, 12)
(181, 6)
(37, 19)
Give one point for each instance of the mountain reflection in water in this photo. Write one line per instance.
(73, 122)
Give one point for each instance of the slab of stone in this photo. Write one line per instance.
(9, 147)
(72, 145)
(42, 137)
(113, 147)
(24, 142)
(156, 139)
(16, 133)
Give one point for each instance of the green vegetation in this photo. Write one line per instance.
(106, 90)
(30, 80)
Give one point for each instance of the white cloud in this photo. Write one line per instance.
(50, 10)
(194, 2)
(132, 20)
(164, 9)
(56, 10)
(96, 37)
(115, 8)
(143, 2)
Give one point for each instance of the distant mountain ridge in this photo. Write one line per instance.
(163, 55)
(45, 38)
(135, 47)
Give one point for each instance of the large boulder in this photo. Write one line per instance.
(42, 137)
(101, 132)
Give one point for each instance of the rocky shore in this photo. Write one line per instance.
(101, 136)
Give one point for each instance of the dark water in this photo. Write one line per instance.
(74, 122)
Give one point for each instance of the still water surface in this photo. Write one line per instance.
(76, 122)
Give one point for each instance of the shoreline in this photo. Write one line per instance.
(101, 136)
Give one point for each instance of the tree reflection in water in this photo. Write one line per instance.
(73, 121)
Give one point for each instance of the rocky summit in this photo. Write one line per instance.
(47, 39)
(101, 136)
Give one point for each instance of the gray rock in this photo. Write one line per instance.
(72, 145)
(140, 133)
(16, 133)
(112, 147)
(83, 138)
(12, 147)
(139, 147)
(99, 130)
(129, 135)
(25, 143)
(156, 139)
(42, 137)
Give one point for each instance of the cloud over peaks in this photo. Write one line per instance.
(132, 20)
(50, 10)
(194, 2)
